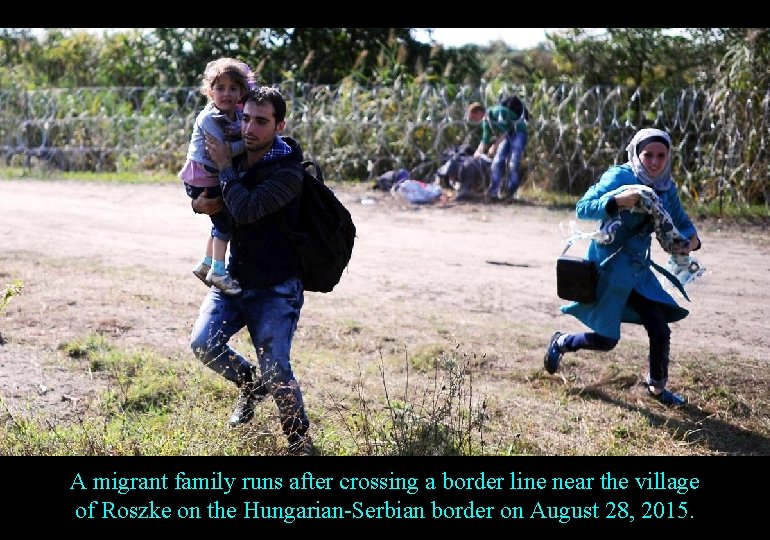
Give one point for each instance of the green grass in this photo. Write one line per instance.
(149, 408)
(154, 406)
(751, 213)
(149, 177)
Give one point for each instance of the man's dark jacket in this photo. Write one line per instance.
(264, 203)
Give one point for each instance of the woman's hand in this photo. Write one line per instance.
(627, 199)
(692, 245)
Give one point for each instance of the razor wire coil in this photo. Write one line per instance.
(719, 136)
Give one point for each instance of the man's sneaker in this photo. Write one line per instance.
(553, 354)
(224, 283)
(301, 445)
(668, 398)
(248, 397)
(201, 272)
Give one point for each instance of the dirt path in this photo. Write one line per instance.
(117, 259)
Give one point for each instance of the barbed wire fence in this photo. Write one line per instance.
(720, 137)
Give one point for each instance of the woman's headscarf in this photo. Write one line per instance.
(642, 138)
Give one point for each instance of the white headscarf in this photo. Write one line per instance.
(661, 182)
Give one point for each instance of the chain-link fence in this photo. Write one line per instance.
(355, 132)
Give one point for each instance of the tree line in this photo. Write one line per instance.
(363, 99)
(738, 58)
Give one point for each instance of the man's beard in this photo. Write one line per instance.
(256, 147)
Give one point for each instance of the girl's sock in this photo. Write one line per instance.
(207, 260)
(218, 267)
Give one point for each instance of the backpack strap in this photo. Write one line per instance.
(281, 218)
(318, 172)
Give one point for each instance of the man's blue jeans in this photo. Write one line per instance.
(509, 155)
(271, 317)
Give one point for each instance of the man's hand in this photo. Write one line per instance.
(219, 152)
(203, 205)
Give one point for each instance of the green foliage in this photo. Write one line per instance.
(746, 61)
(11, 290)
(651, 57)
(177, 56)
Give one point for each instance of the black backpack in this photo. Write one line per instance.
(324, 242)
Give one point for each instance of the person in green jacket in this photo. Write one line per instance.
(628, 291)
(506, 122)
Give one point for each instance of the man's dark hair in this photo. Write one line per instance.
(268, 94)
(515, 104)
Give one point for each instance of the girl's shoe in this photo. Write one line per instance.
(224, 283)
(201, 271)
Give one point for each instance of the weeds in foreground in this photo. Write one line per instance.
(437, 417)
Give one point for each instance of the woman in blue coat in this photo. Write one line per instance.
(628, 291)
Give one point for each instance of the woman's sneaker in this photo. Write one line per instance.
(668, 398)
(553, 354)
(224, 283)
